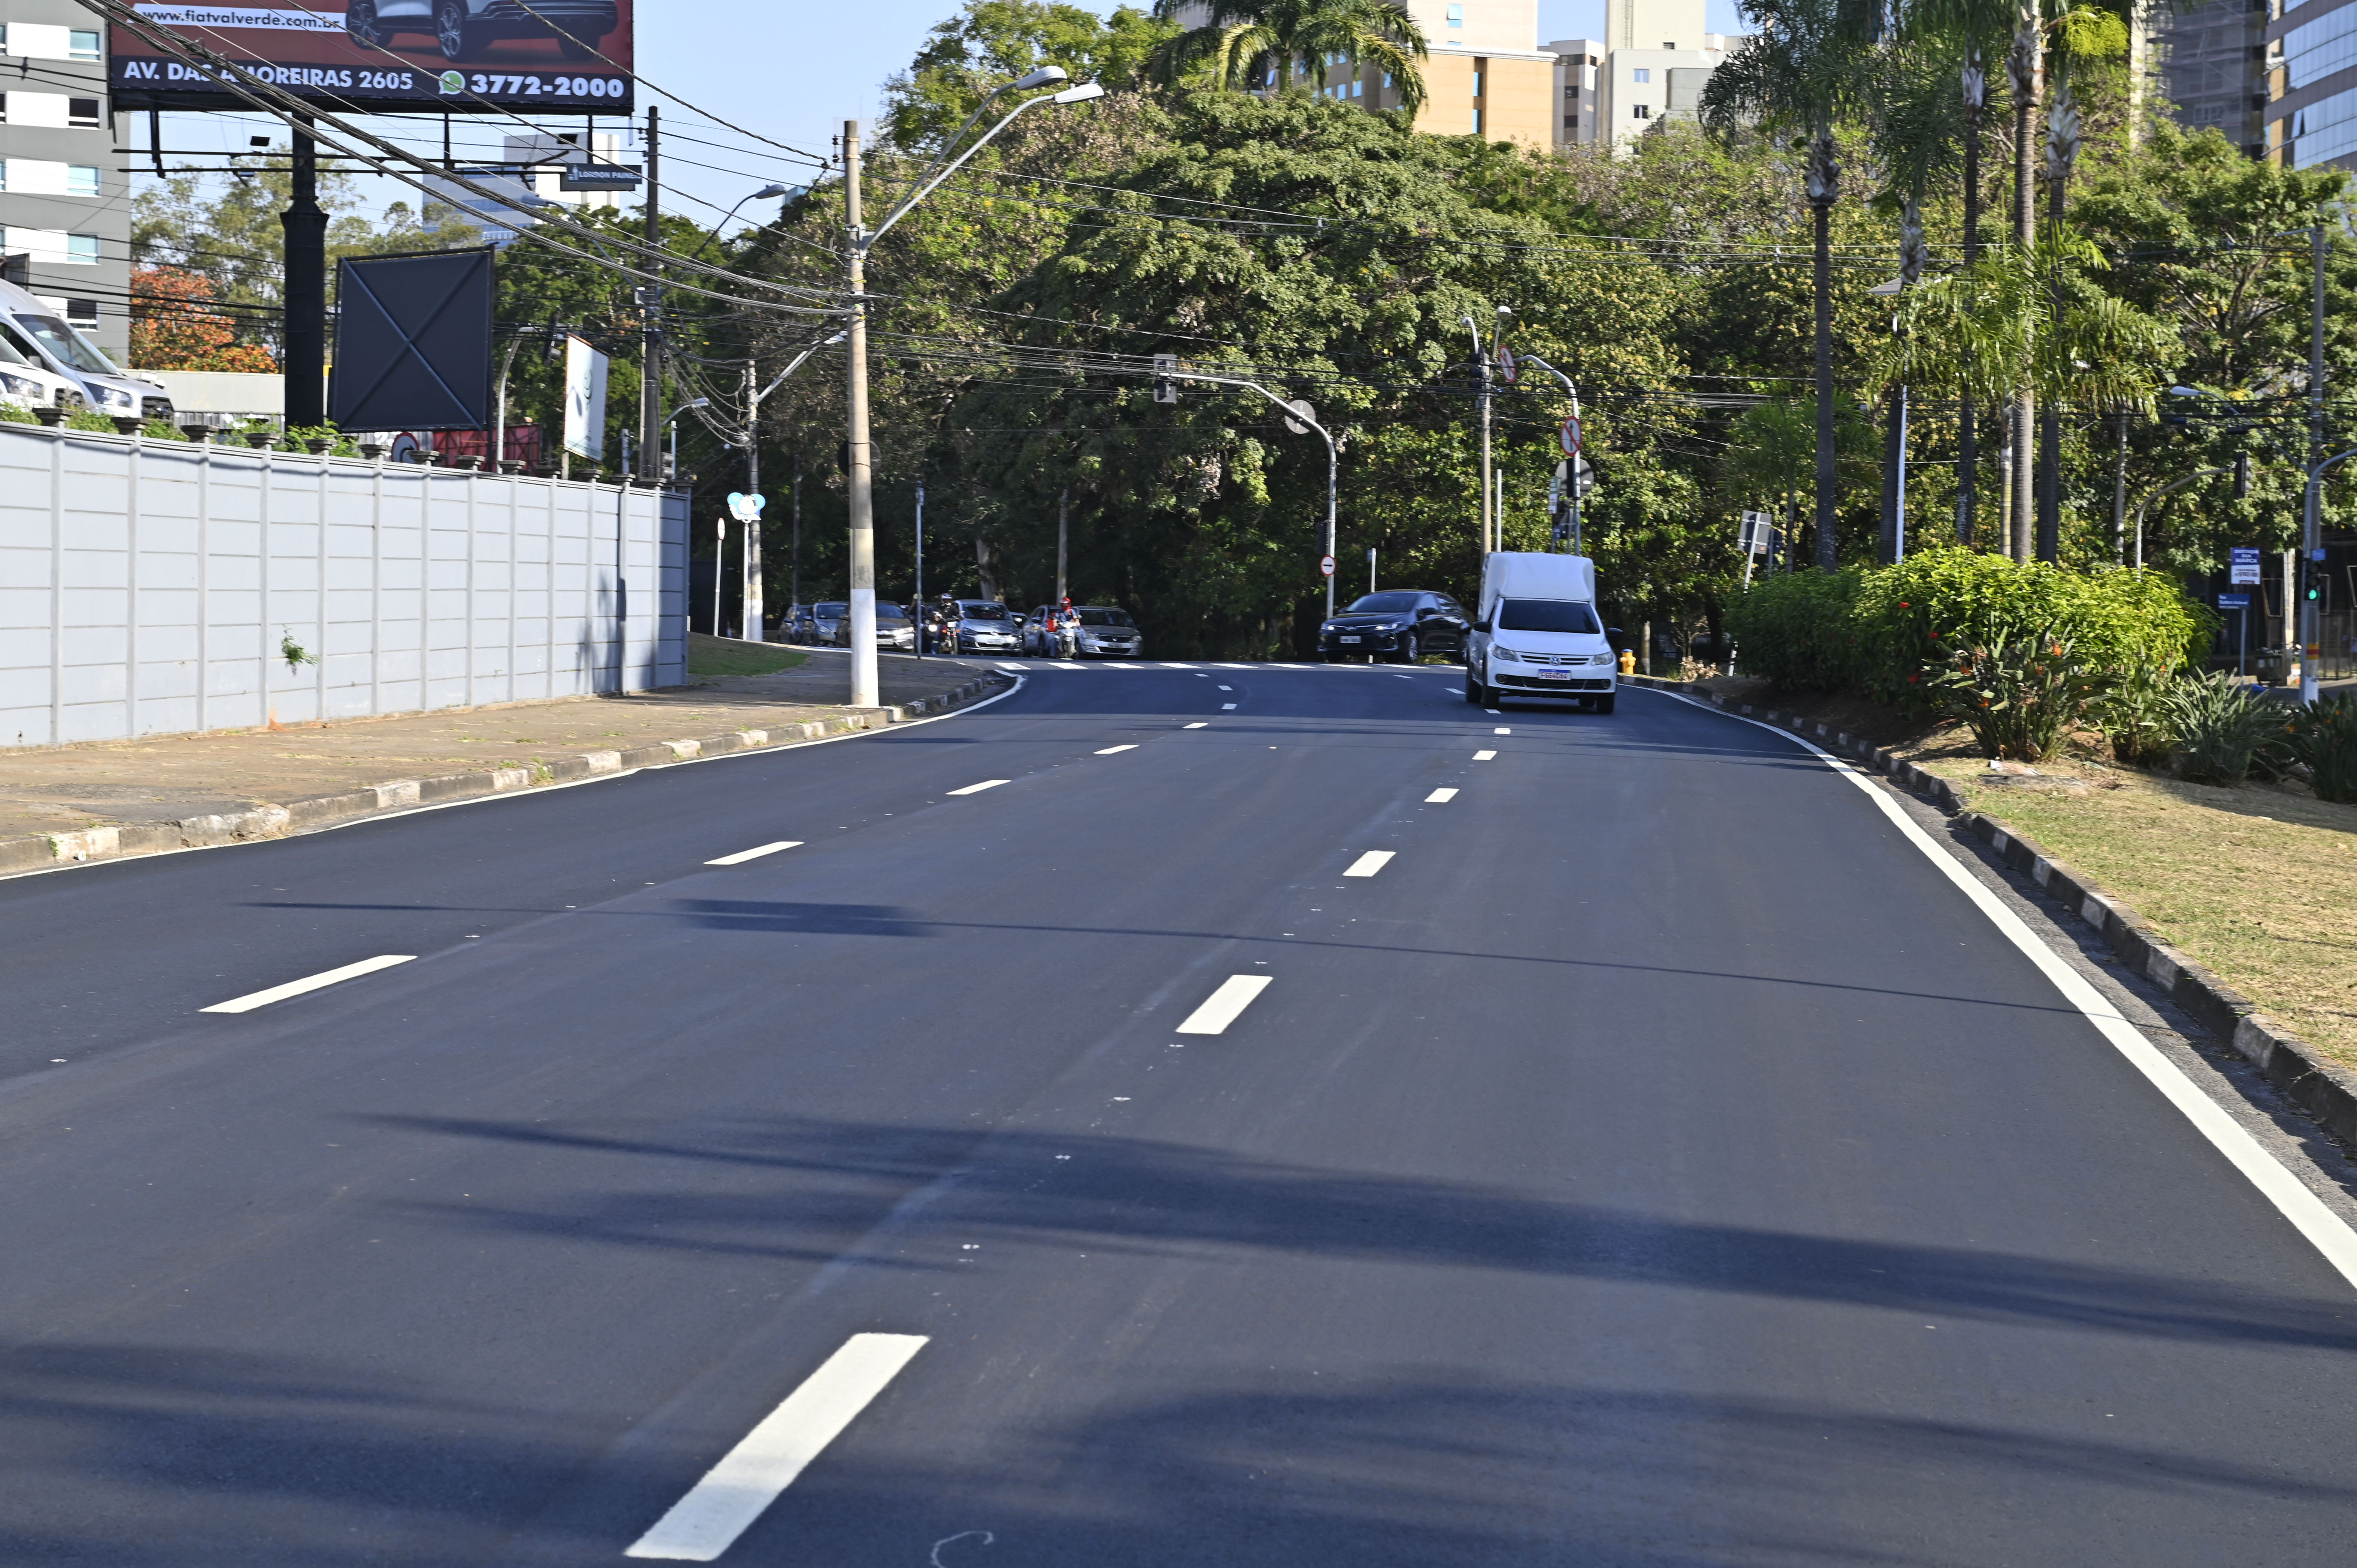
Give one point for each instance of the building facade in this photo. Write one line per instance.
(2311, 113)
(65, 206)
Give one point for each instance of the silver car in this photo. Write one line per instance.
(823, 622)
(984, 626)
(1108, 631)
(893, 628)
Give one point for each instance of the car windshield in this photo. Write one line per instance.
(984, 612)
(890, 612)
(1105, 617)
(1382, 604)
(69, 346)
(1546, 615)
(829, 610)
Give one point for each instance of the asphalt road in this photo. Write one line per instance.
(1656, 1161)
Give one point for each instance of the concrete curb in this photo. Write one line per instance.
(42, 851)
(2321, 1088)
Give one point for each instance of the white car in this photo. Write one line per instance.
(38, 335)
(1538, 633)
(27, 385)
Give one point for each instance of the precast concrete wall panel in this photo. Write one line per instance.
(153, 587)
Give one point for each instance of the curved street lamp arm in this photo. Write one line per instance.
(796, 365)
(1550, 369)
(867, 242)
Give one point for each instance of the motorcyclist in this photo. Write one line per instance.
(1068, 630)
(946, 618)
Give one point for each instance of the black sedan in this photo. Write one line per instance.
(1398, 625)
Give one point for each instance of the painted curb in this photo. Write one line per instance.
(43, 851)
(2321, 1088)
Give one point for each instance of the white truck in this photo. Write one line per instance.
(1536, 633)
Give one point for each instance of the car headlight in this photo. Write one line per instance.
(113, 399)
(1505, 653)
(19, 385)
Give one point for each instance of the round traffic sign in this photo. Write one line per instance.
(1325, 565)
(1571, 437)
(1506, 371)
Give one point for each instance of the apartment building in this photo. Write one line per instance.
(65, 206)
(2312, 64)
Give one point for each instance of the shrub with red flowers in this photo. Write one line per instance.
(2019, 692)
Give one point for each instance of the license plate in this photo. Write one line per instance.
(1555, 675)
(1347, 640)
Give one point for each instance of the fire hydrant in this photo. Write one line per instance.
(1628, 661)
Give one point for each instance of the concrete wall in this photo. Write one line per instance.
(146, 587)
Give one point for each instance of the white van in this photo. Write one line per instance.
(41, 335)
(30, 384)
(1537, 633)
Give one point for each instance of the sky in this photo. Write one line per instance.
(792, 73)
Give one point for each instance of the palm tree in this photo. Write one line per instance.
(1249, 44)
(1797, 73)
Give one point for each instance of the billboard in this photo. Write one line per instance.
(585, 401)
(412, 342)
(388, 55)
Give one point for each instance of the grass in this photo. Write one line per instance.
(2258, 883)
(714, 657)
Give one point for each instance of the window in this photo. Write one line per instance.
(1358, 88)
(1641, 74)
(82, 46)
(1671, 44)
(1546, 615)
(81, 249)
(81, 179)
(1477, 82)
(1641, 112)
(1477, 122)
(1571, 121)
(82, 313)
(81, 112)
(1456, 16)
(1387, 79)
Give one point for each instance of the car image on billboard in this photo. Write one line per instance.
(549, 56)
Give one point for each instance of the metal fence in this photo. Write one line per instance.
(154, 587)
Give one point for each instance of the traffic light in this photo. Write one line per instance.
(2242, 476)
(2316, 584)
(1166, 390)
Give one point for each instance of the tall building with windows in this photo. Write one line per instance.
(65, 207)
(2277, 78)
(1649, 66)
(2311, 59)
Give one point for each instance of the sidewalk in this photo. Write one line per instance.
(134, 797)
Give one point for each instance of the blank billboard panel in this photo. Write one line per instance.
(412, 342)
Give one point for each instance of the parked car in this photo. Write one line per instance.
(1109, 631)
(1399, 625)
(29, 384)
(1538, 634)
(983, 625)
(822, 621)
(41, 336)
(465, 29)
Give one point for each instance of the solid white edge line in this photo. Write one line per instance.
(741, 1489)
(978, 789)
(756, 853)
(1221, 1008)
(252, 999)
(1440, 797)
(1108, 751)
(1367, 865)
(2325, 1231)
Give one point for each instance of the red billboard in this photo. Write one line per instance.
(536, 57)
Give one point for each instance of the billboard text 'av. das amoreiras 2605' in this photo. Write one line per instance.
(541, 56)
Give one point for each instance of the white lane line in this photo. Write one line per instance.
(1227, 687)
(1478, 757)
(1017, 668)
(1108, 751)
(1169, 664)
(1118, 665)
(734, 1492)
(1198, 724)
(252, 999)
(1493, 712)
(1220, 1009)
(1201, 676)
(2325, 1231)
(742, 855)
(1440, 797)
(1227, 707)
(1367, 865)
(1062, 664)
(1502, 729)
(1231, 666)
(978, 789)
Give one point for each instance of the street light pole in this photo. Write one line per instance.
(753, 614)
(1572, 482)
(1481, 399)
(860, 240)
(1300, 411)
(2311, 538)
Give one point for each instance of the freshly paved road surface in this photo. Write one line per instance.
(1656, 1161)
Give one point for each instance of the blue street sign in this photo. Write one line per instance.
(2233, 601)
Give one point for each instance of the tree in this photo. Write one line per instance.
(1797, 73)
(992, 42)
(1249, 44)
(176, 325)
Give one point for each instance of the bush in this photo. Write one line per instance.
(2019, 693)
(2138, 713)
(2324, 736)
(10, 414)
(89, 419)
(2120, 623)
(2224, 729)
(1798, 629)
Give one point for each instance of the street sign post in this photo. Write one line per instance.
(1570, 437)
(2244, 567)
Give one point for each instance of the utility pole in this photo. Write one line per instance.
(864, 687)
(305, 222)
(797, 536)
(650, 374)
(751, 615)
(1063, 504)
(917, 610)
(2311, 537)
(1481, 395)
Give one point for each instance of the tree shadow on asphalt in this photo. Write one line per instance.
(809, 1189)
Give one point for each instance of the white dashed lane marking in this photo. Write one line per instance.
(1198, 724)
(978, 789)
(1367, 865)
(1108, 751)
(252, 999)
(1440, 797)
(1478, 757)
(1227, 707)
(756, 853)
(1220, 1009)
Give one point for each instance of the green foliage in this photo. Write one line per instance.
(294, 653)
(339, 444)
(2224, 729)
(89, 419)
(992, 42)
(161, 430)
(1800, 629)
(1245, 45)
(2323, 735)
(2019, 691)
(13, 414)
(2139, 715)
